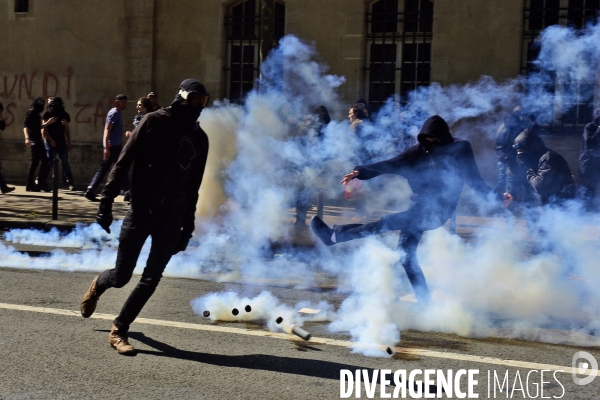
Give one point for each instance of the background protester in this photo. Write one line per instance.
(32, 128)
(511, 176)
(143, 106)
(589, 161)
(3, 186)
(58, 137)
(547, 171)
(310, 136)
(153, 98)
(112, 141)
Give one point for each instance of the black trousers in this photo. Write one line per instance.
(589, 178)
(412, 223)
(38, 156)
(3, 185)
(137, 226)
(115, 152)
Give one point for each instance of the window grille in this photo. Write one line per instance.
(21, 6)
(243, 30)
(398, 54)
(537, 16)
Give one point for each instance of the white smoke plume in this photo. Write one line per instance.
(267, 153)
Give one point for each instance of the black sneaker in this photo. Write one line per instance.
(32, 189)
(8, 189)
(322, 231)
(90, 195)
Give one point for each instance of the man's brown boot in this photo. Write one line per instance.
(89, 301)
(119, 341)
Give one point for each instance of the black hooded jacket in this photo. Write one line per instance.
(436, 171)
(590, 146)
(168, 160)
(33, 120)
(505, 137)
(547, 171)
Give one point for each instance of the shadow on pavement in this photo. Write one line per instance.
(267, 362)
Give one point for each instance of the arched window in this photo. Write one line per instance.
(537, 16)
(243, 28)
(398, 54)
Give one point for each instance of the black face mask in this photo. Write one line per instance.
(527, 160)
(39, 107)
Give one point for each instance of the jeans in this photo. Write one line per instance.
(115, 152)
(38, 156)
(412, 223)
(137, 226)
(63, 153)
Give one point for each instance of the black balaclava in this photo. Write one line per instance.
(56, 105)
(530, 147)
(188, 112)
(597, 116)
(437, 129)
(37, 107)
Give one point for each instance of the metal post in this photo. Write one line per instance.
(453, 222)
(55, 190)
(320, 201)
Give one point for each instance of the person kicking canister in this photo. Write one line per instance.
(436, 169)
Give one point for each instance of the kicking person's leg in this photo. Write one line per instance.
(409, 241)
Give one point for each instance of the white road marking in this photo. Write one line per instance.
(331, 342)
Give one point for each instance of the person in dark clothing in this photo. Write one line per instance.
(32, 128)
(153, 98)
(168, 150)
(547, 171)
(363, 103)
(112, 141)
(589, 161)
(4, 188)
(511, 177)
(436, 170)
(310, 133)
(58, 137)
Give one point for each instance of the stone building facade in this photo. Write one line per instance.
(87, 52)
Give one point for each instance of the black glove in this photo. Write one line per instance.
(104, 216)
(184, 240)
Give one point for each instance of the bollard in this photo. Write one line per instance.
(320, 203)
(453, 222)
(55, 190)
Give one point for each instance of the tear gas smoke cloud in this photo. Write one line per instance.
(265, 307)
(267, 153)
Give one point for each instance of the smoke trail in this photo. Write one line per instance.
(265, 307)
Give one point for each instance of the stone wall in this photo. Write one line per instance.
(87, 52)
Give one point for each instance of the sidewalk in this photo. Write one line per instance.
(24, 210)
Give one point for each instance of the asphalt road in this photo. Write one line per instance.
(48, 351)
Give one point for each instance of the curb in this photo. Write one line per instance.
(42, 225)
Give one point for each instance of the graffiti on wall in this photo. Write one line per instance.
(17, 90)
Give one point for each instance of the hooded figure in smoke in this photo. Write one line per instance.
(436, 169)
(547, 171)
(589, 159)
(168, 150)
(511, 177)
